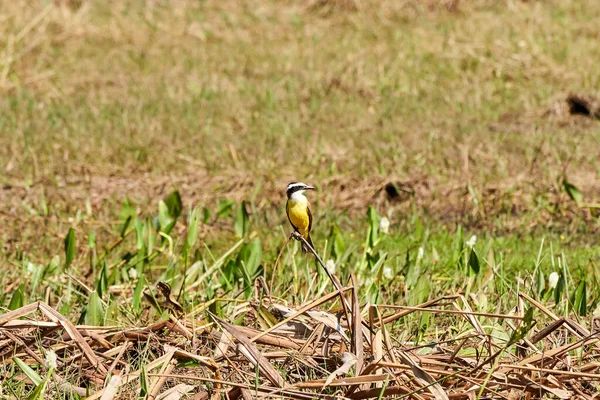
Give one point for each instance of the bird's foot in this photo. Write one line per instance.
(296, 235)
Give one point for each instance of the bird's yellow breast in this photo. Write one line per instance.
(298, 214)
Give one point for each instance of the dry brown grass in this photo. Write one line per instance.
(394, 89)
(299, 357)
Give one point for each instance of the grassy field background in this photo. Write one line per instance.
(448, 119)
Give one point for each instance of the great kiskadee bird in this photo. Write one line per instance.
(298, 211)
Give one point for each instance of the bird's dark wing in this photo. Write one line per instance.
(309, 217)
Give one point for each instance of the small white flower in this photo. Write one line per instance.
(132, 273)
(51, 359)
(388, 273)
(384, 225)
(519, 281)
(31, 268)
(435, 256)
(330, 265)
(420, 254)
(553, 280)
(472, 241)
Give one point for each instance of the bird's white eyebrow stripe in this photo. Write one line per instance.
(295, 185)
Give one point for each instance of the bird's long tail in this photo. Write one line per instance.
(304, 248)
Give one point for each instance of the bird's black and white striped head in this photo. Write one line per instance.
(297, 187)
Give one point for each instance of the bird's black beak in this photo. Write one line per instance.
(309, 188)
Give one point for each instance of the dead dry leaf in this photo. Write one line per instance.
(425, 378)
(225, 342)
(329, 320)
(560, 393)
(111, 390)
(348, 360)
(252, 353)
(176, 392)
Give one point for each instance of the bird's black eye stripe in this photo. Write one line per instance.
(293, 189)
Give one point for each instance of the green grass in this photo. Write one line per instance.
(106, 109)
(390, 267)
